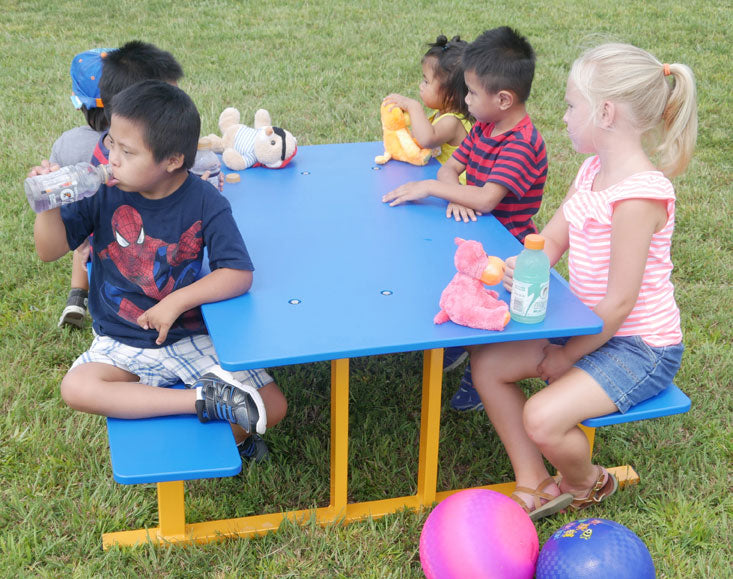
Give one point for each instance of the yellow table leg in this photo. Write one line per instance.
(427, 469)
(339, 435)
(171, 511)
(590, 434)
(171, 521)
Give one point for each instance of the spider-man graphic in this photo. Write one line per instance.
(148, 262)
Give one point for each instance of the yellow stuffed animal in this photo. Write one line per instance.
(398, 142)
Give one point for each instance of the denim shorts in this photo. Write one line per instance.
(185, 360)
(629, 370)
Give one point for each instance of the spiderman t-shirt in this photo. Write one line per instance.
(144, 249)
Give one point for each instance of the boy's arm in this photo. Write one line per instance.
(220, 284)
(49, 233)
(446, 186)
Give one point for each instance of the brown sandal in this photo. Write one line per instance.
(605, 485)
(552, 504)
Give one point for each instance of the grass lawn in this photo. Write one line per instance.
(321, 68)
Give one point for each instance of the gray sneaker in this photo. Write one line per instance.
(75, 310)
(219, 396)
(254, 449)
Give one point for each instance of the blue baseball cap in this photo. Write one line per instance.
(86, 70)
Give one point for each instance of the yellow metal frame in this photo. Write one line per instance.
(171, 509)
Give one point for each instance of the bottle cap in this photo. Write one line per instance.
(232, 178)
(534, 241)
(204, 143)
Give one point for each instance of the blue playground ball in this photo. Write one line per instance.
(596, 548)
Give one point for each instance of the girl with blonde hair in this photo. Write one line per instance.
(637, 119)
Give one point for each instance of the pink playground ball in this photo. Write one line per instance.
(478, 533)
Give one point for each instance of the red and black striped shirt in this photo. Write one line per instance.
(516, 160)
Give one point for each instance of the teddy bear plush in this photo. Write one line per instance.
(242, 146)
(465, 300)
(398, 141)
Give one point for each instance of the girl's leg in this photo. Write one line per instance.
(496, 368)
(104, 389)
(551, 418)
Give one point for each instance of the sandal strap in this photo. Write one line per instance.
(517, 499)
(604, 487)
(537, 495)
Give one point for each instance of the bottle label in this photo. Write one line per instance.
(60, 187)
(529, 299)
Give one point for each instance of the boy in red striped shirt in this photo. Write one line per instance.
(504, 154)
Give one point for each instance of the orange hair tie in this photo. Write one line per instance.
(665, 67)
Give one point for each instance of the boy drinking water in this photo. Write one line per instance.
(151, 224)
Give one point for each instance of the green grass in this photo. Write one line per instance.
(321, 68)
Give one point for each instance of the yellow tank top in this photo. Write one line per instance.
(444, 152)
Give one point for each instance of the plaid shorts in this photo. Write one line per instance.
(185, 360)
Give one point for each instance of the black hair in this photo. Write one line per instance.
(167, 115)
(503, 60)
(96, 118)
(447, 55)
(133, 62)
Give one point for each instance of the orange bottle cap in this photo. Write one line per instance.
(534, 241)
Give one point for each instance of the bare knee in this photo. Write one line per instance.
(541, 422)
(74, 392)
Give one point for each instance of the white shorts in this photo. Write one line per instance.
(185, 360)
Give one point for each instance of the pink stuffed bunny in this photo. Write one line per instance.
(465, 300)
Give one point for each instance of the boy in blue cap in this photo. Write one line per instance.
(76, 145)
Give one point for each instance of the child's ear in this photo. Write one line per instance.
(174, 162)
(608, 114)
(506, 99)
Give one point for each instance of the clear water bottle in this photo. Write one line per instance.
(67, 185)
(206, 160)
(531, 283)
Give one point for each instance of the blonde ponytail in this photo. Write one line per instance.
(679, 122)
(665, 112)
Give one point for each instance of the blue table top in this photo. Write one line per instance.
(339, 274)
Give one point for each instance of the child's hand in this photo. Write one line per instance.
(400, 101)
(205, 177)
(461, 213)
(160, 317)
(407, 192)
(84, 251)
(45, 167)
(508, 280)
(555, 363)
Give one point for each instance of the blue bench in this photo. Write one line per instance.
(168, 450)
(172, 449)
(669, 401)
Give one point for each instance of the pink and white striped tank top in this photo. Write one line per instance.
(655, 316)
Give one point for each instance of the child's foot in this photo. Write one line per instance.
(219, 396)
(253, 448)
(604, 486)
(453, 357)
(466, 398)
(76, 308)
(539, 503)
